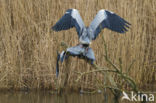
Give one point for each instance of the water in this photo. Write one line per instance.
(47, 97)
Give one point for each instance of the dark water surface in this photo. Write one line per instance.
(47, 97)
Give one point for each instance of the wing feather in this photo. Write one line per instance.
(69, 20)
(107, 19)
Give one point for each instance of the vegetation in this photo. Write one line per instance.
(28, 46)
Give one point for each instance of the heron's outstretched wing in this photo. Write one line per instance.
(107, 19)
(70, 19)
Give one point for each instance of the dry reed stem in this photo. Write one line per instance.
(28, 46)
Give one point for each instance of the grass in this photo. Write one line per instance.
(28, 46)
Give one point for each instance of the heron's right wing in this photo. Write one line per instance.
(110, 20)
(69, 20)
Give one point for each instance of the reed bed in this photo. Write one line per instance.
(28, 46)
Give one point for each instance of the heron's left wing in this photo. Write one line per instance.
(69, 20)
(107, 19)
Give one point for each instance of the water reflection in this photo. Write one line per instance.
(47, 97)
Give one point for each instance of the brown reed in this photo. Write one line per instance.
(28, 45)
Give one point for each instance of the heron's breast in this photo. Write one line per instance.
(84, 40)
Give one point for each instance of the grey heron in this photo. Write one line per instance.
(103, 19)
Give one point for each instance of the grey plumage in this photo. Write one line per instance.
(80, 51)
(103, 19)
(69, 20)
(107, 19)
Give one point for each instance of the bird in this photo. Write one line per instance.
(86, 34)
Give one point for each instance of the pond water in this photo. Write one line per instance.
(47, 97)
